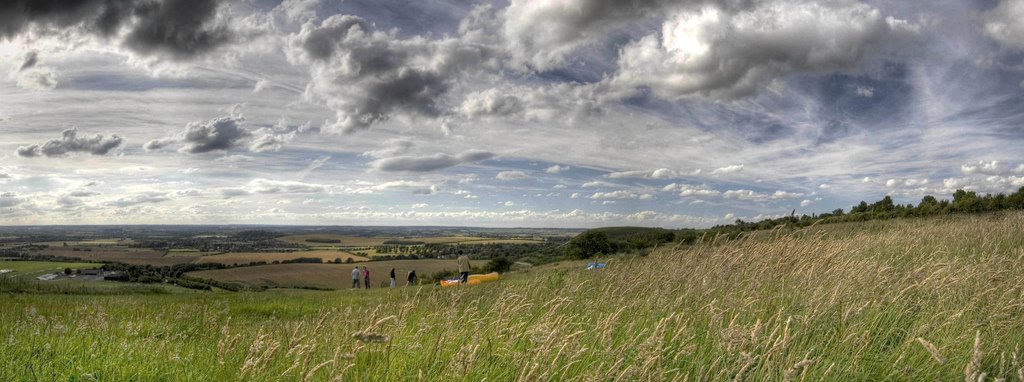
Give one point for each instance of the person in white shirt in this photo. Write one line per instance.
(355, 277)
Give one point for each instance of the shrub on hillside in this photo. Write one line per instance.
(589, 244)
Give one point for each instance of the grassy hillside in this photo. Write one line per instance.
(924, 299)
(331, 276)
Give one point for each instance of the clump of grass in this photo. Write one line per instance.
(924, 299)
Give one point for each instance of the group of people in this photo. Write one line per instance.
(364, 274)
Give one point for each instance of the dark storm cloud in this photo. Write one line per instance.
(430, 163)
(71, 143)
(180, 28)
(177, 28)
(367, 75)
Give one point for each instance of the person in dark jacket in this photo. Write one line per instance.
(392, 277)
(412, 278)
(464, 267)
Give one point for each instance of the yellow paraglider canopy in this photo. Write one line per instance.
(473, 279)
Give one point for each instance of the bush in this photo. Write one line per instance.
(588, 244)
(499, 264)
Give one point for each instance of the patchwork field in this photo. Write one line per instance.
(39, 267)
(334, 276)
(315, 240)
(248, 257)
(138, 256)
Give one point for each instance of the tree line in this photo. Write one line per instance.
(604, 241)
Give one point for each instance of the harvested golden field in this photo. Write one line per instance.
(139, 256)
(248, 257)
(500, 241)
(363, 241)
(335, 276)
(344, 241)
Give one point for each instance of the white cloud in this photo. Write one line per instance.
(1005, 23)
(511, 175)
(70, 142)
(491, 103)
(661, 173)
(751, 195)
(730, 53)
(686, 190)
(983, 167)
(727, 169)
(557, 169)
(543, 34)
(865, 91)
(779, 194)
(620, 195)
(429, 163)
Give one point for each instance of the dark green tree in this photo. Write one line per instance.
(499, 264)
(588, 244)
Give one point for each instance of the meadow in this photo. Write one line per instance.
(330, 276)
(896, 300)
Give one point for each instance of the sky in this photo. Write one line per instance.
(521, 113)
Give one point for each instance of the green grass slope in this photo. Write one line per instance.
(928, 299)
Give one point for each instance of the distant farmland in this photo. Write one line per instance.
(315, 240)
(137, 256)
(334, 276)
(248, 257)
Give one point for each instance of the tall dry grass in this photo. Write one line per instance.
(930, 299)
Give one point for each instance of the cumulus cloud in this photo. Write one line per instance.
(686, 190)
(986, 168)
(621, 194)
(491, 102)
(511, 175)
(865, 91)
(269, 140)
(366, 75)
(557, 169)
(221, 134)
(542, 34)
(1005, 23)
(727, 169)
(177, 29)
(70, 142)
(905, 183)
(40, 78)
(724, 53)
(751, 195)
(429, 163)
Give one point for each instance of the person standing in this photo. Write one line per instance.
(355, 277)
(412, 278)
(392, 277)
(463, 267)
(366, 277)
